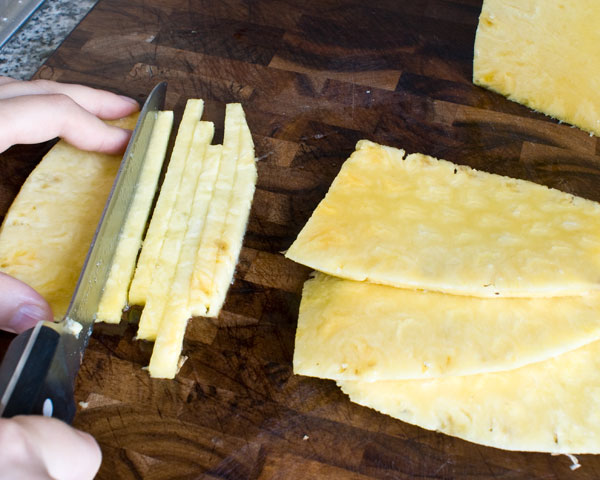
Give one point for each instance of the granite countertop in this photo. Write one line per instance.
(40, 36)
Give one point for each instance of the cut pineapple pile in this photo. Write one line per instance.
(196, 232)
(162, 212)
(514, 373)
(543, 54)
(193, 240)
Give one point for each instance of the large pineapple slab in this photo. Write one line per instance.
(360, 331)
(418, 222)
(48, 230)
(552, 406)
(544, 54)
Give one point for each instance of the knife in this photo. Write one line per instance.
(38, 372)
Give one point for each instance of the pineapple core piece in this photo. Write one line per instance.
(544, 54)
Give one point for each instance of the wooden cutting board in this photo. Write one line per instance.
(314, 77)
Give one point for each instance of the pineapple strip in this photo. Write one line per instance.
(169, 340)
(236, 221)
(166, 263)
(166, 201)
(202, 278)
(114, 297)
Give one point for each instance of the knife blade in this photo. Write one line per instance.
(38, 371)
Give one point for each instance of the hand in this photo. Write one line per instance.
(40, 448)
(35, 447)
(39, 110)
(21, 307)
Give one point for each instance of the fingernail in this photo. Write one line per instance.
(26, 317)
(129, 99)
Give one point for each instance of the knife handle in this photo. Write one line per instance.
(34, 378)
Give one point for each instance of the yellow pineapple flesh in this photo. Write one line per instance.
(169, 338)
(166, 263)
(550, 406)
(226, 219)
(351, 330)
(114, 296)
(544, 54)
(153, 241)
(48, 229)
(423, 223)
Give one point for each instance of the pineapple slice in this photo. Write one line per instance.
(47, 232)
(114, 297)
(223, 233)
(164, 270)
(418, 222)
(543, 54)
(235, 221)
(551, 406)
(360, 331)
(166, 201)
(169, 340)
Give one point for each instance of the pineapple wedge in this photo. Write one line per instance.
(114, 296)
(222, 237)
(164, 270)
(169, 340)
(165, 204)
(48, 229)
(360, 331)
(551, 406)
(543, 54)
(422, 223)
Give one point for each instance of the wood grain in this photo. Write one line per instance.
(314, 77)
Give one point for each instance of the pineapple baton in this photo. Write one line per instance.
(33, 112)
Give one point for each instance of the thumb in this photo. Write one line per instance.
(45, 448)
(21, 307)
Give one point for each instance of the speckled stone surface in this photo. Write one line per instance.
(41, 35)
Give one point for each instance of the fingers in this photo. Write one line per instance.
(4, 80)
(38, 118)
(36, 447)
(21, 307)
(101, 103)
